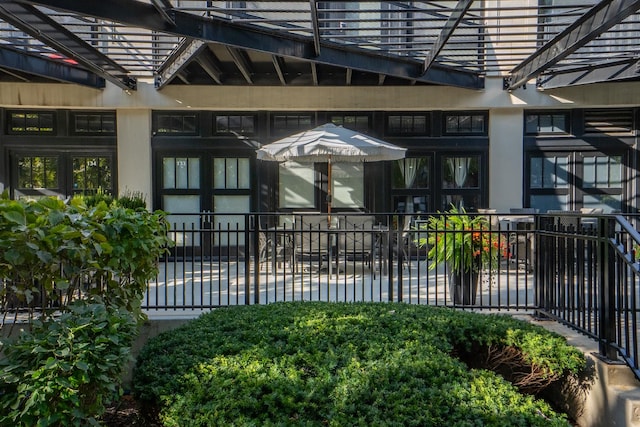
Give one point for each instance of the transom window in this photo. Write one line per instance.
(407, 124)
(546, 123)
(465, 124)
(235, 124)
(289, 123)
(351, 121)
(176, 124)
(31, 122)
(95, 123)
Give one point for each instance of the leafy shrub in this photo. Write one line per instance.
(51, 253)
(341, 364)
(64, 370)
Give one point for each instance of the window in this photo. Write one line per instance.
(609, 122)
(296, 185)
(549, 172)
(460, 182)
(176, 124)
(94, 123)
(289, 123)
(465, 124)
(91, 174)
(38, 173)
(407, 124)
(181, 173)
(546, 123)
(231, 173)
(602, 171)
(243, 125)
(347, 185)
(411, 184)
(31, 122)
(353, 122)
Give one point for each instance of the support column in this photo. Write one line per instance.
(506, 174)
(134, 152)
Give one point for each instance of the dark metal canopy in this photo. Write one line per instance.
(313, 42)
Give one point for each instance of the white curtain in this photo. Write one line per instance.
(409, 169)
(459, 168)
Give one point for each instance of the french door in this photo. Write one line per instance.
(570, 180)
(206, 195)
(40, 173)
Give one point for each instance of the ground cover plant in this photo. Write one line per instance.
(336, 364)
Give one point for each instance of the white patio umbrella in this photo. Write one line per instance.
(330, 143)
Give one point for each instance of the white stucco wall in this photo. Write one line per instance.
(505, 158)
(134, 152)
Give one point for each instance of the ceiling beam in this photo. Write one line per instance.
(213, 29)
(178, 60)
(209, 64)
(15, 74)
(242, 62)
(279, 65)
(627, 69)
(604, 15)
(314, 73)
(452, 23)
(162, 6)
(349, 76)
(13, 59)
(40, 26)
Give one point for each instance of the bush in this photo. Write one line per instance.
(341, 364)
(64, 370)
(52, 253)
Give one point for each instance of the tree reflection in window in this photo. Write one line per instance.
(37, 172)
(91, 174)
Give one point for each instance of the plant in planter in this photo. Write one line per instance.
(467, 245)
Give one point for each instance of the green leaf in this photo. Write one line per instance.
(15, 217)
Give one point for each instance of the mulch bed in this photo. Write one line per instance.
(127, 412)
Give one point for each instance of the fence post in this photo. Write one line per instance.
(255, 220)
(607, 332)
(247, 258)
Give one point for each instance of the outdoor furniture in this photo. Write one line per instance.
(358, 239)
(521, 241)
(311, 240)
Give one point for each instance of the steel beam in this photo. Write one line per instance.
(242, 62)
(41, 27)
(162, 6)
(315, 25)
(213, 29)
(179, 59)
(604, 15)
(452, 23)
(209, 64)
(279, 65)
(13, 59)
(628, 69)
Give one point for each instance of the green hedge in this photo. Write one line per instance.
(317, 364)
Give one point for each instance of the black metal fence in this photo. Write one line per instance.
(581, 270)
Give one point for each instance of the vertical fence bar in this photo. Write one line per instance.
(607, 332)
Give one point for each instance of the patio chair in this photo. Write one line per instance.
(357, 239)
(521, 241)
(310, 240)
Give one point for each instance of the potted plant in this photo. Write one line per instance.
(467, 245)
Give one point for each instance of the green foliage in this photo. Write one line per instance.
(342, 364)
(463, 241)
(132, 200)
(51, 252)
(64, 370)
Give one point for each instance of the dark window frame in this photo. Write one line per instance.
(446, 115)
(75, 115)
(231, 131)
(174, 118)
(389, 129)
(551, 115)
(13, 130)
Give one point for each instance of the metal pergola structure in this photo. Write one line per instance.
(312, 42)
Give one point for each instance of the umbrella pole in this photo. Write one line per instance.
(329, 195)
